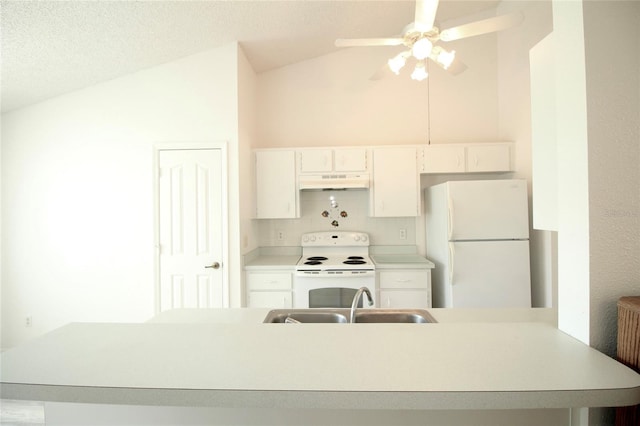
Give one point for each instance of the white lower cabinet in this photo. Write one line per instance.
(404, 288)
(269, 289)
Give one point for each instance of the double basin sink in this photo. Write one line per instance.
(331, 315)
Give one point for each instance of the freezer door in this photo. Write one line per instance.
(488, 210)
(490, 274)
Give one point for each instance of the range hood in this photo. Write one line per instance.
(334, 181)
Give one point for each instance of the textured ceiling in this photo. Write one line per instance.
(54, 47)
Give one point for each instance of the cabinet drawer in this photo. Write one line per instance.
(269, 281)
(405, 279)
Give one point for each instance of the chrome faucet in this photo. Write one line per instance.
(356, 299)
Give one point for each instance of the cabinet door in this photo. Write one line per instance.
(395, 183)
(350, 160)
(316, 160)
(269, 299)
(489, 158)
(276, 195)
(417, 299)
(444, 159)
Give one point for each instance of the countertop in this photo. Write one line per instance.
(228, 358)
(401, 261)
(275, 262)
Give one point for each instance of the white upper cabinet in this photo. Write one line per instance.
(333, 160)
(467, 158)
(443, 159)
(350, 160)
(489, 158)
(276, 192)
(396, 183)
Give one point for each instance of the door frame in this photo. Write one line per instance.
(224, 179)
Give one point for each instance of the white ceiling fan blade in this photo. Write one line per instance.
(381, 73)
(425, 14)
(497, 23)
(352, 42)
(456, 67)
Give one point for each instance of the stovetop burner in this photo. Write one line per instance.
(317, 258)
(355, 258)
(354, 262)
(313, 262)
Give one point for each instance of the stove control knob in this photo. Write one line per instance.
(364, 238)
(305, 238)
(313, 238)
(356, 237)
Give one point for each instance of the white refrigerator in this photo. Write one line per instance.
(477, 234)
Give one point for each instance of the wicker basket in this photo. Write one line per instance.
(629, 351)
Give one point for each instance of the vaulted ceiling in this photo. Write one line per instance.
(54, 47)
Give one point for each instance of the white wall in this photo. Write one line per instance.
(77, 211)
(247, 236)
(515, 123)
(331, 100)
(613, 114)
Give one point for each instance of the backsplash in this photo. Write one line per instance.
(349, 210)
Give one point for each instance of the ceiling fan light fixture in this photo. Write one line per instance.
(419, 72)
(421, 49)
(443, 57)
(397, 62)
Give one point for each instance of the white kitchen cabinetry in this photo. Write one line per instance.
(467, 158)
(396, 183)
(271, 289)
(443, 159)
(488, 158)
(276, 192)
(405, 288)
(333, 160)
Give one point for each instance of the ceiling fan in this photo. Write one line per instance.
(421, 36)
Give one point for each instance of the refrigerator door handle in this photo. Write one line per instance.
(452, 253)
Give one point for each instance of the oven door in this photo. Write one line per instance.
(330, 291)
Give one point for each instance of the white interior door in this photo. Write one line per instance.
(190, 228)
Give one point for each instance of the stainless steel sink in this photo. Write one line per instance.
(321, 315)
(394, 316)
(307, 315)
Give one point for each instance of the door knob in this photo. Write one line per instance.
(214, 265)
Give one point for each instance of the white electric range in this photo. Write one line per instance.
(333, 266)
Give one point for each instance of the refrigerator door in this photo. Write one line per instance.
(489, 274)
(488, 210)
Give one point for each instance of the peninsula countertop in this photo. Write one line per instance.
(229, 358)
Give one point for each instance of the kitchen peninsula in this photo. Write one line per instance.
(227, 367)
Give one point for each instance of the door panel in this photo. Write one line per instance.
(190, 228)
(490, 274)
(492, 209)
